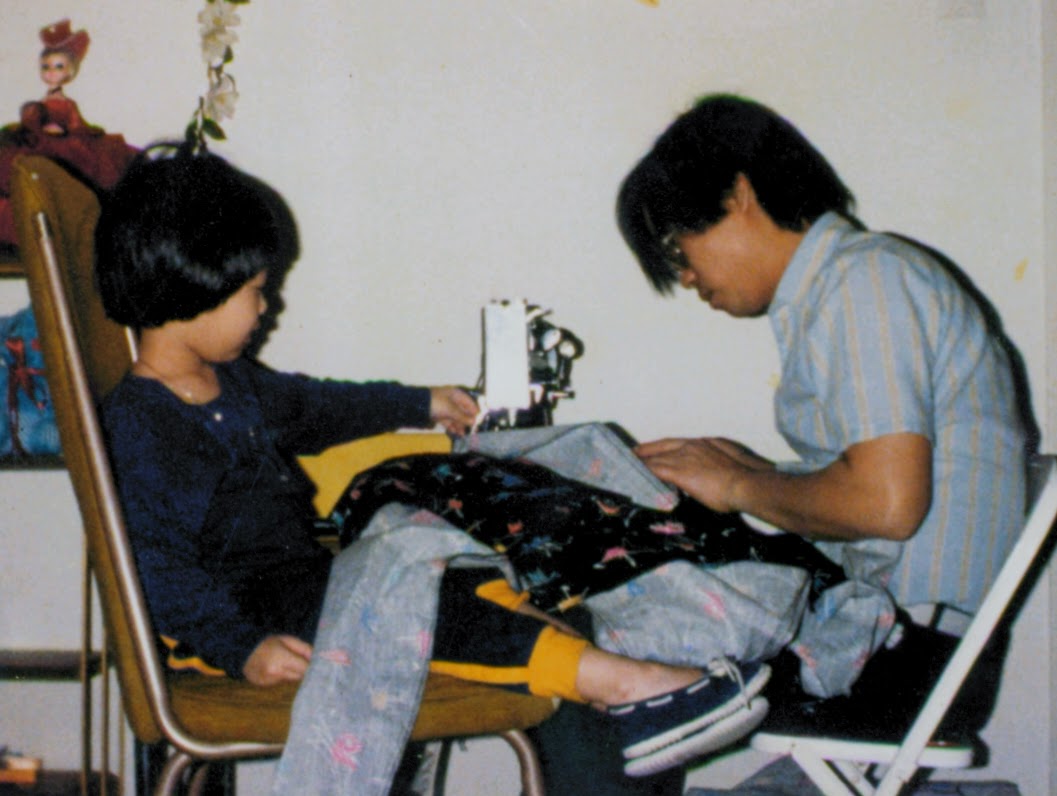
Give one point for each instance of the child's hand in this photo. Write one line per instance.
(453, 408)
(278, 659)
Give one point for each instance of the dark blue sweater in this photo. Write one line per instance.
(218, 512)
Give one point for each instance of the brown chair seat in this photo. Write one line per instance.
(223, 710)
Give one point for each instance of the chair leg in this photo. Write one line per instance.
(150, 759)
(826, 778)
(172, 774)
(441, 774)
(531, 770)
(197, 785)
(213, 779)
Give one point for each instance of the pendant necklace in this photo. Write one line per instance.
(187, 395)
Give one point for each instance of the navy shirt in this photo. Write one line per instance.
(219, 514)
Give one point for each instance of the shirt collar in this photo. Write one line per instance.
(814, 249)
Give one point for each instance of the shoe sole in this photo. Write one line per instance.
(694, 726)
(714, 737)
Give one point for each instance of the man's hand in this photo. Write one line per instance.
(453, 408)
(707, 469)
(278, 659)
(880, 488)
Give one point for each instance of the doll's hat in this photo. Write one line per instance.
(60, 36)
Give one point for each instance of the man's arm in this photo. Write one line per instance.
(881, 488)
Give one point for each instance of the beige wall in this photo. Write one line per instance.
(440, 155)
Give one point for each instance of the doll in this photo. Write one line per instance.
(56, 114)
(53, 126)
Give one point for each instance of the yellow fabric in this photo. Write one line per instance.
(187, 663)
(480, 673)
(332, 469)
(551, 670)
(500, 592)
(554, 665)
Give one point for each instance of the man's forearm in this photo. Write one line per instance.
(878, 489)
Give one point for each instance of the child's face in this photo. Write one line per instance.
(222, 334)
(56, 69)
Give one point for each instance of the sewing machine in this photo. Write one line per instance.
(527, 366)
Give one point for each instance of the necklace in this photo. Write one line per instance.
(187, 395)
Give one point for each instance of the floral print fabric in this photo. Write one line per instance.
(565, 539)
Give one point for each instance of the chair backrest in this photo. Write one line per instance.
(1000, 597)
(85, 355)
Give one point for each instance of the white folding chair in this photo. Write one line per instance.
(841, 766)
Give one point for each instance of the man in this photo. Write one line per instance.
(896, 392)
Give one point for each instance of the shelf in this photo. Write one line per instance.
(10, 265)
(62, 783)
(33, 462)
(45, 664)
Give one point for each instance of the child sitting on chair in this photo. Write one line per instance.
(202, 439)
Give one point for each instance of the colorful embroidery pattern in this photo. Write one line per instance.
(565, 539)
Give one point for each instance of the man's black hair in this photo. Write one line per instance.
(181, 232)
(681, 184)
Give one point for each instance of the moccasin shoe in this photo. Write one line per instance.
(719, 708)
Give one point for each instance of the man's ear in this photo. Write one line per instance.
(742, 196)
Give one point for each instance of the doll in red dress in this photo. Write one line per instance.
(53, 126)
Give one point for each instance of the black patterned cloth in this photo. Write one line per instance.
(565, 539)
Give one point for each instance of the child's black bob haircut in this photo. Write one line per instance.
(680, 185)
(181, 232)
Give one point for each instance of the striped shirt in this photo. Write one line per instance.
(877, 337)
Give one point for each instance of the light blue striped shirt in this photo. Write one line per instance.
(876, 337)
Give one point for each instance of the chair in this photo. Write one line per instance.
(203, 719)
(842, 765)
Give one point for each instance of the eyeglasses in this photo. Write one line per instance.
(673, 254)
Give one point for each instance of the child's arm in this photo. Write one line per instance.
(312, 414)
(278, 659)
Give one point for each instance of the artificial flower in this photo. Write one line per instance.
(216, 43)
(220, 99)
(218, 15)
(216, 21)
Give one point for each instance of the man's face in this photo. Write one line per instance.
(735, 265)
(723, 264)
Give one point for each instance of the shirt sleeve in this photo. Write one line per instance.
(869, 355)
(314, 414)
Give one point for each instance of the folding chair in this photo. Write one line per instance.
(200, 719)
(846, 766)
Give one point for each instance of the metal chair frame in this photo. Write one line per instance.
(845, 766)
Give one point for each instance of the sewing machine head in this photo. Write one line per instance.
(527, 366)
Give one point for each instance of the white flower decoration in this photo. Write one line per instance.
(220, 99)
(218, 14)
(216, 21)
(215, 44)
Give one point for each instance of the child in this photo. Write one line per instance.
(202, 440)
